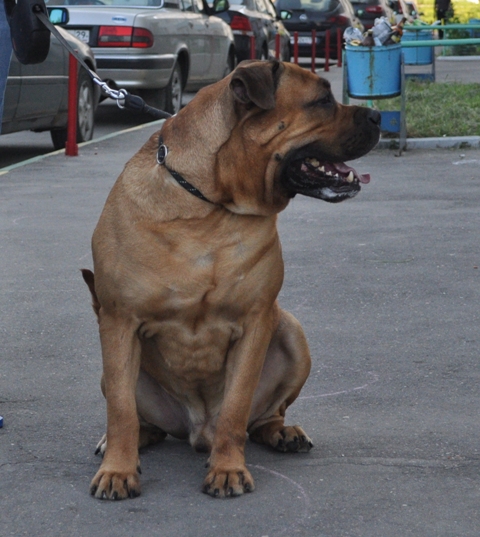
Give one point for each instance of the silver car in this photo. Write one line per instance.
(154, 48)
(36, 96)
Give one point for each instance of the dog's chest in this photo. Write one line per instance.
(197, 306)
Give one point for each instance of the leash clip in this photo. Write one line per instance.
(162, 153)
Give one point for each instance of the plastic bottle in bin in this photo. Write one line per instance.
(352, 36)
(381, 31)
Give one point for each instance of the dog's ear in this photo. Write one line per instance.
(255, 82)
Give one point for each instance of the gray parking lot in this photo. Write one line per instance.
(387, 288)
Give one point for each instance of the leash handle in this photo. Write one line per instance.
(137, 104)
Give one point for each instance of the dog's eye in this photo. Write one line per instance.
(323, 101)
(326, 100)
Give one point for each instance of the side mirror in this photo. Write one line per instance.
(217, 6)
(30, 38)
(285, 14)
(58, 15)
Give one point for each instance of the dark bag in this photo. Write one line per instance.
(30, 38)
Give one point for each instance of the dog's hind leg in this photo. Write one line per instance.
(148, 436)
(286, 368)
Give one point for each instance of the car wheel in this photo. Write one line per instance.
(264, 53)
(287, 53)
(85, 113)
(230, 64)
(168, 99)
(174, 91)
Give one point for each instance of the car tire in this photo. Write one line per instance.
(230, 63)
(287, 55)
(174, 91)
(85, 113)
(168, 99)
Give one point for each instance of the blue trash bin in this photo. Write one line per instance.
(474, 33)
(373, 71)
(417, 55)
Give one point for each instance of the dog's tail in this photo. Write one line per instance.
(89, 278)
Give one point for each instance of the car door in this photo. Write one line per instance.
(198, 42)
(268, 25)
(12, 91)
(220, 39)
(44, 85)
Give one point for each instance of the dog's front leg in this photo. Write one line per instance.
(228, 474)
(117, 477)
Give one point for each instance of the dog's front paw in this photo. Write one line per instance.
(111, 485)
(222, 483)
(291, 439)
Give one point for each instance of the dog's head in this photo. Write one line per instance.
(286, 135)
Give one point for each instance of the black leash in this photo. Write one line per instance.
(123, 98)
(161, 156)
(130, 102)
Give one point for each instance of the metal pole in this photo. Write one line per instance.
(314, 49)
(339, 47)
(295, 48)
(71, 147)
(252, 47)
(327, 51)
(277, 47)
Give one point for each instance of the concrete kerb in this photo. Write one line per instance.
(445, 142)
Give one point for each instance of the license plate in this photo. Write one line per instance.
(302, 40)
(82, 35)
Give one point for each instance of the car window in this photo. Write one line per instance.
(271, 9)
(308, 5)
(260, 6)
(124, 3)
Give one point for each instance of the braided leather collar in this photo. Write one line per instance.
(161, 156)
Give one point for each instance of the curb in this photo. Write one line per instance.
(445, 142)
(80, 145)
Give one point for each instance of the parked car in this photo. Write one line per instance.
(369, 10)
(257, 18)
(303, 16)
(154, 48)
(407, 8)
(36, 96)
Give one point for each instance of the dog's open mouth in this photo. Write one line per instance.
(332, 182)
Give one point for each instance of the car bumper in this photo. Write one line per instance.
(305, 44)
(140, 71)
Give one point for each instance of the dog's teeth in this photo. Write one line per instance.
(350, 177)
(314, 162)
(322, 168)
(330, 174)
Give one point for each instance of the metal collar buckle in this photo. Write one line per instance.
(162, 153)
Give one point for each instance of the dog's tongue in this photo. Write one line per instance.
(342, 168)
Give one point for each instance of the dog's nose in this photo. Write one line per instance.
(374, 116)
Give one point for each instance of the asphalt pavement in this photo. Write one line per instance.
(387, 288)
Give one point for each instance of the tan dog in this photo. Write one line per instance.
(194, 343)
